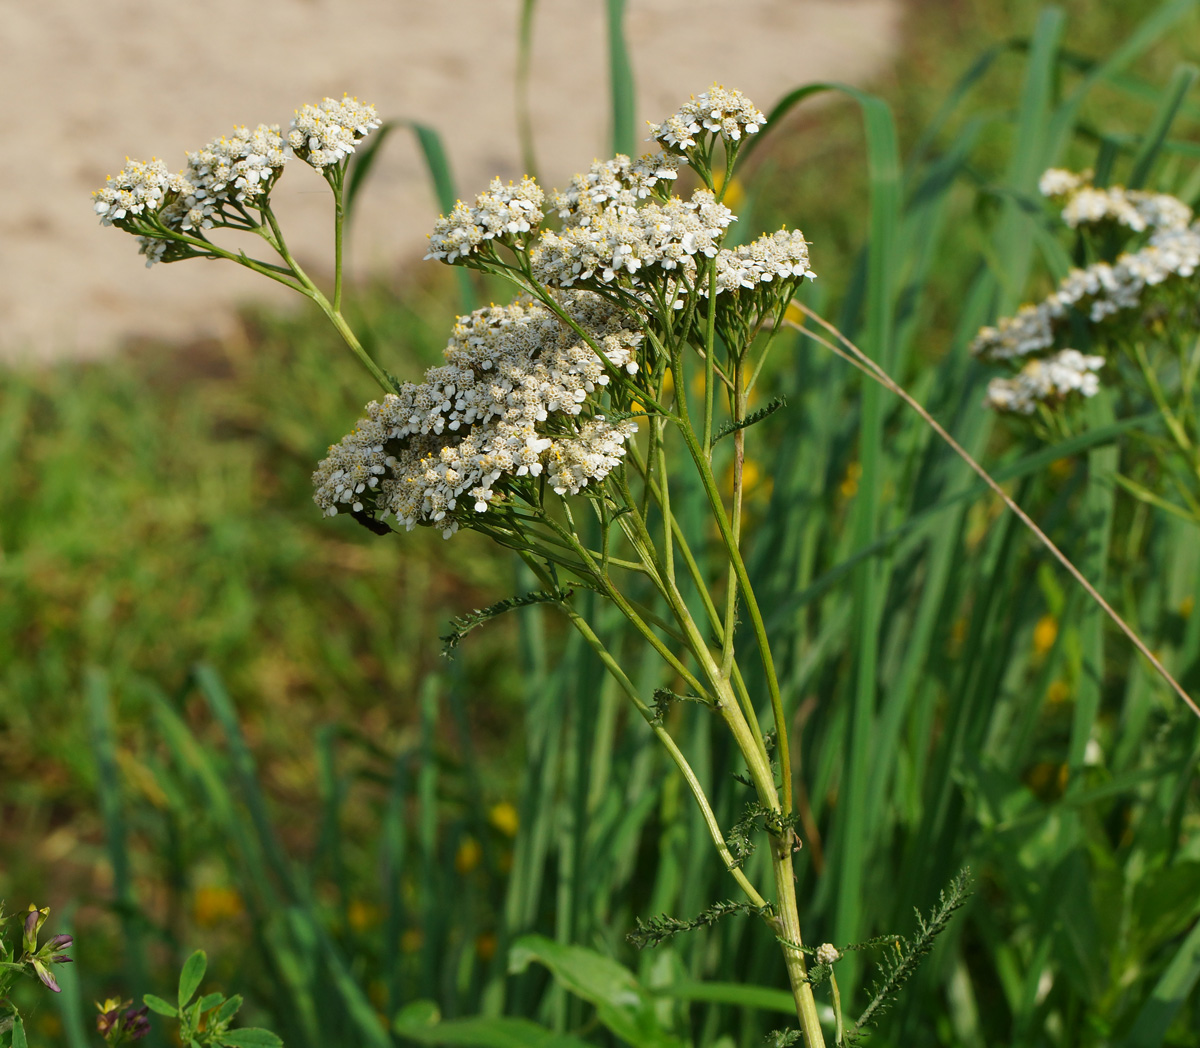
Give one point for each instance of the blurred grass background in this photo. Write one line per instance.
(224, 721)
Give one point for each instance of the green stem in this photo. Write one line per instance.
(676, 755)
(335, 317)
(704, 468)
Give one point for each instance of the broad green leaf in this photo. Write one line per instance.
(622, 1004)
(252, 1037)
(763, 998)
(157, 1004)
(191, 976)
(18, 1033)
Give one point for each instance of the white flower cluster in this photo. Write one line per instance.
(1084, 204)
(1100, 290)
(1055, 182)
(328, 132)
(727, 113)
(509, 402)
(240, 167)
(667, 235)
(614, 184)
(1045, 380)
(138, 188)
(781, 255)
(500, 211)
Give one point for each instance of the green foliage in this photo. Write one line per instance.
(206, 1021)
(900, 963)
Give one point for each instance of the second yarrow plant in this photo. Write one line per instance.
(562, 424)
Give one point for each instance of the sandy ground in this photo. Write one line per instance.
(91, 81)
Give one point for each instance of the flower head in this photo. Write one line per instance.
(510, 402)
(240, 167)
(504, 212)
(718, 111)
(1046, 380)
(328, 132)
(138, 188)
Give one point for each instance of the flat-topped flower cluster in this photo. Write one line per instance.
(170, 213)
(511, 402)
(519, 399)
(1094, 293)
(619, 226)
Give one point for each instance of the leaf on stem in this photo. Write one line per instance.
(463, 624)
(754, 416)
(658, 930)
(896, 968)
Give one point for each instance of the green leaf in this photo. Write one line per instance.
(762, 998)
(620, 72)
(438, 166)
(210, 1000)
(252, 1037)
(18, 1033)
(1170, 994)
(228, 1010)
(191, 976)
(478, 1032)
(157, 1004)
(622, 1004)
(360, 166)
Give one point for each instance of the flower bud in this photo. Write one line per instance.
(827, 953)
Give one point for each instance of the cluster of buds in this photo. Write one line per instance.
(38, 957)
(120, 1023)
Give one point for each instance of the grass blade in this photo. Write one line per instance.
(620, 74)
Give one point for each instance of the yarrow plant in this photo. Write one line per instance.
(565, 424)
(1133, 309)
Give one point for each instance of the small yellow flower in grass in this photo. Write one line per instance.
(411, 940)
(504, 817)
(1061, 469)
(1044, 634)
(1186, 606)
(468, 856)
(485, 946)
(362, 915)
(849, 485)
(1059, 691)
(216, 905)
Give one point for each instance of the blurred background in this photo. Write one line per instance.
(226, 722)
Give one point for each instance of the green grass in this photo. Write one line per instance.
(327, 766)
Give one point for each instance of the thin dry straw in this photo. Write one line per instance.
(853, 355)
